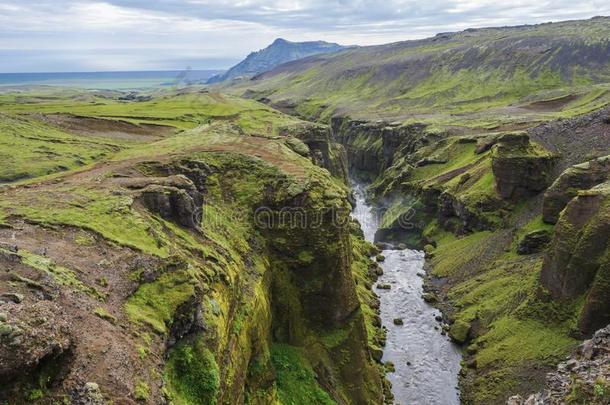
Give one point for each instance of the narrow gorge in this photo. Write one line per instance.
(422, 362)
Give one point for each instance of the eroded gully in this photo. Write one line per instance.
(426, 362)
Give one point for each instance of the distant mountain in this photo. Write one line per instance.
(279, 52)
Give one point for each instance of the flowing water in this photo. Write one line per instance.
(427, 363)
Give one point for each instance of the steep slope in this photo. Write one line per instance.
(479, 77)
(169, 271)
(279, 52)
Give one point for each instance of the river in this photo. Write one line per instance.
(426, 362)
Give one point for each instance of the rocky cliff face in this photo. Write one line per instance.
(320, 147)
(520, 169)
(372, 146)
(577, 262)
(207, 278)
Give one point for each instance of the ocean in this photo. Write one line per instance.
(109, 80)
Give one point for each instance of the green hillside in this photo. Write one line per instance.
(478, 77)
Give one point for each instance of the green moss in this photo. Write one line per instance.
(105, 315)
(155, 303)
(84, 239)
(35, 394)
(142, 391)
(456, 154)
(453, 252)
(335, 338)
(459, 330)
(142, 352)
(296, 380)
(516, 342)
(192, 375)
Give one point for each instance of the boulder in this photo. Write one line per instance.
(566, 186)
(179, 201)
(30, 334)
(298, 146)
(459, 331)
(521, 169)
(534, 242)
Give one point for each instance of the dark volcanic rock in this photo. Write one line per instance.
(578, 177)
(172, 203)
(316, 143)
(534, 242)
(520, 168)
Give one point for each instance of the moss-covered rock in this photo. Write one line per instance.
(534, 242)
(520, 168)
(577, 262)
(459, 331)
(565, 187)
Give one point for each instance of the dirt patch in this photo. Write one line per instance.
(551, 105)
(113, 129)
(101, 350)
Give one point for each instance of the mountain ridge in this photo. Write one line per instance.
(280, 51)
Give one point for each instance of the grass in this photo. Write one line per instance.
(29, 148)
(454, 252)
(181, 110)
(474, 79)
(455, 153)
(105, 315)
(142, 391)
(111, 216)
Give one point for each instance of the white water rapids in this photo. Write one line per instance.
(427, 363)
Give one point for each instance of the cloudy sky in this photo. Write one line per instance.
(91, 35)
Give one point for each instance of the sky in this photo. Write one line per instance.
(118, 35)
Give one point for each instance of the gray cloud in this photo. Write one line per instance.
(170, 34)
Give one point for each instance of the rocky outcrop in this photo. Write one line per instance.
(576, 178)
(582, 379)
(173, 197)
(534, 242)
(578, 261)
(460, 218)
(521, 169)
